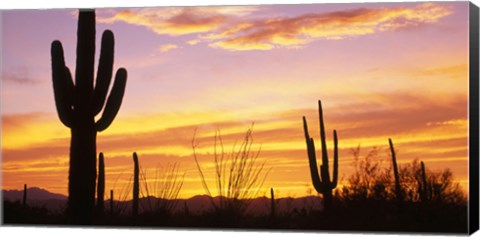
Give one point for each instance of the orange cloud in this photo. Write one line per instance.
(226, 27)
(178, 20)
(295, 31)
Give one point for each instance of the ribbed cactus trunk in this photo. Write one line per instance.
(82, 173)
(24, 202)
(101, 185)
(77, 105)
(136, 185)
(398, 187)
(272, 203)
(322, 183)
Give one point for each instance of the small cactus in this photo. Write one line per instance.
(322, 183)
(101, 184)
(111, 202)
(398, 186)
(423, 186)
(136, 184)
(186, 210)
(24, 203)
(272, 203)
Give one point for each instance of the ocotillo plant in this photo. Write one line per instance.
(136, 184)
(272, 203)
(398, 187)
(77, 105)
(24, 203)
(322, 184)
(101, 184)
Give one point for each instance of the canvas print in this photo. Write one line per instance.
(311, 117)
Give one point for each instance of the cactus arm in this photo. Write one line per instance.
(322, 136)
(325, 174)
(335, 160)
(70, 87)
(104, 73)
(114, 100)
(317, 183)
(62, 85)
(85, 57)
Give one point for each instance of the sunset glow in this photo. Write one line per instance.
(382, 70)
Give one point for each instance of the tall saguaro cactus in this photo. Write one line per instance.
(136, 184)
(77, 105)
(101, 184)
(322, 183)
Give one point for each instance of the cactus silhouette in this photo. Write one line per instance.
(398, 187)
(322, 184)
(111, 202)
(77, 105)
(101, 184)
(24, 202)
(186, 210)
(272, 203)
(136, 184)
(423, 187)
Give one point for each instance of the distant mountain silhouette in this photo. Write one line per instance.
(258, 206)
(196, 205)
(33, 193)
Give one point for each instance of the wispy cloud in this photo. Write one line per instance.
(294, 31)
(178, 20)
(19, 79)
(228, 28)
(167, 47)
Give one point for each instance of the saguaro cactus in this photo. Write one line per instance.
(423, 186)
(24, 202)
(398, 187)
(77, 105)
(272, 203)
(136, 184)
(322, 183)
(101, 184)
(111, 202)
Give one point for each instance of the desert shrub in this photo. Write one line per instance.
(372, 179)
(238, 174)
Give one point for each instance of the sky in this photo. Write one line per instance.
(382, 70)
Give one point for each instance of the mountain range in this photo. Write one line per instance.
(195, 205)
